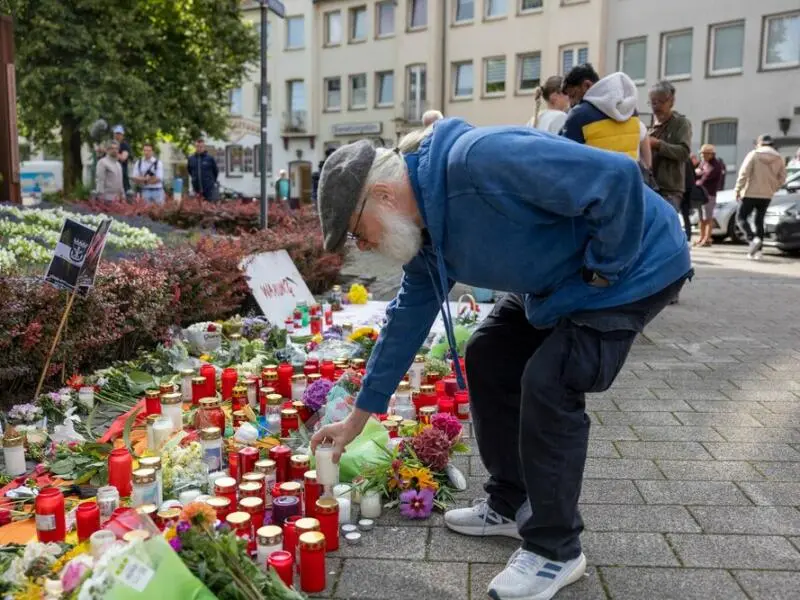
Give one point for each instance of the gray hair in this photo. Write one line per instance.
(663, 87)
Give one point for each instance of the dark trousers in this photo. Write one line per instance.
(748, 205)
(527, 389)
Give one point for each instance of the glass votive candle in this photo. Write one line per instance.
(371, 503)
(86, 397)
(327, 470)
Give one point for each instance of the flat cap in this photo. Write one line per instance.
(341, 183)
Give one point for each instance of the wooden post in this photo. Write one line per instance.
(54, 345)
(9, 142)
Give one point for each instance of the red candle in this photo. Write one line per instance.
(221, 505)
(302, 410)
(242, 526)
(283, 564)
(255, 508)
(239, 397)
(269, 376)
(328, 517)
(311, 491)
(152, 402)
(290, 421)
(238, 417)
(447, 405)
(312, 562)
(49, 515)
(316, 325)
(233, 465)
(87, 518)
(284, 387)
(290, 535)
(328, 316)
(298, 465)
(229, 379)
(226, 488)
(439, 387)
(315, 310)
(462, 404)
(309, 369)
(450, 386)
(248, 457)
(209, 414)
(120, 471)
(281, 455)
(198, 390)
(327, 369)
(210, 373)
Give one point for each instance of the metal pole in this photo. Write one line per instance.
(262, 155)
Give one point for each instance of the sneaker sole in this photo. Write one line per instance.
(550, 591)
(490, 531)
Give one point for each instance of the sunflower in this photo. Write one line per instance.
(198, 513)
(418, 478)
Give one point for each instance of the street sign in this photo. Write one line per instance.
(277, 7)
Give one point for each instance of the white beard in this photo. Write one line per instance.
(402, 238)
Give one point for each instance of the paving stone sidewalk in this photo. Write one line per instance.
(692, 487)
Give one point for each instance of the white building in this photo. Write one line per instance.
(735, 65)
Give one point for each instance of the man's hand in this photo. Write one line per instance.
(341, 433)
(655, 143)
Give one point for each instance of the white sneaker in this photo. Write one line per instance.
(480, 520)
(754, 248)
(758, 255)
(528, 576)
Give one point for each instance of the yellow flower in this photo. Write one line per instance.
(361, 332)
(419, 478)
(31, 591)
(317, 338)
(82, 548)
(358, 294)
(205, 357)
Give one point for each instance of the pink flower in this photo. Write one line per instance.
(72, 575)
(447, 423)
(416, 505)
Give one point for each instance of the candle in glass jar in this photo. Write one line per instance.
(239, 397)
(49, 515)
(298, 465)
(211, 443)
(251, 489)
(162, 431)
(172, 407)
(86, 397)
(227, 382)
(166, 388)
(391, 427)
(226, 487)
(312, 560)
(284, 507)
(145, 488)
(327, 369)
(426, 414)
(152, 402)
(462, 404)
(290, 535)
(284, 383)
(290, 421)
(241, 524)
(305, 525)
(291, 488)
(311, 492)
(327, 470)
(254, 507)
(402, 402)
(327, 512)
(239, 417)
(14, 453)
(299, 384)
(328, 315)
(288, 325)
(371, 504)
(267, 467)
(258, 478)
(283, 564)
(415, 372)
(252, 392)
(120, 470)
(186, 384)
(87, 520)
(198, 389)
(281, 455)
(154, 462)
(107, 501)
(248, 457)
(222, 506)
(210, 373)
(269, 539)
(316, 325)
(447, 405)
(210, 414)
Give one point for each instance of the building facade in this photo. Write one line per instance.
(735, 66)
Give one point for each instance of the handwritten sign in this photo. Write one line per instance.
(276, 284)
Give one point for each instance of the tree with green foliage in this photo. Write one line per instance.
(164, 68)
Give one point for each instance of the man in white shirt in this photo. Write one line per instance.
(148, 172)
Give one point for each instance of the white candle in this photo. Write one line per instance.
(327, 471)
(86, 397)
(371, 505)
(172, 407)
(186, 384)
(343, 490)
(100, 541)
(14, 453)
(188, 496)
(344, 510)
(162, 430)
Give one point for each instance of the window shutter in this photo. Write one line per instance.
(496, 70)
(567, 61)
(531, 67)
(583, 56)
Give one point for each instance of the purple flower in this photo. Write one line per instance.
(176, 544)
(316, 394)
(183, 527)
(416, 505)
(447, 423)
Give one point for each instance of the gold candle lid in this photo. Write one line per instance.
(270, 376)
(427, 410)
(225, 482)
(166, 388)
(289, 413)
(209, 402)
(298, 378)
(403, 386)
(419, 358)
(252, 504)
(408, 423)
(142, 476)
(314, 377)
(274, 399)
(12, 438)
(310, 475)
(172, 398)
(269, 535)
(250, 487)
(300, 460)
(198, 380)
(239, 415)
(427, 389)
(290, 488)
(152, 418)
(237, 519)
(327, 506)
(306, 524)
(152, 394)
(136, 534)
(168, 514)
(218, 501)
(265, 465)
(254, 477)
(240, 391)
(147, 509)
(235, 337)
(395, 418)
(337, 288)
(357, 363)
(150, 462)
(391, 425)
(187, 372)
(312, 540)
(210, 433)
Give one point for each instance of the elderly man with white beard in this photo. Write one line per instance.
(588, 256)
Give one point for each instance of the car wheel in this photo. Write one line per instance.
(735, 232)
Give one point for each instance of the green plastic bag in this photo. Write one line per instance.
(364, 451)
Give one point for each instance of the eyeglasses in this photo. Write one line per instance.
(351, 235)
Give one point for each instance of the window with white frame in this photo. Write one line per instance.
(234, 160)
(676, 55)
(295, 32)
(495, 8)
(358, 24)
(494, 76)
(529, 71)
(236, 101)
(416, 92)
(726, 48)
(530, 5)
(417, 14)
(333, 28)
(464, 10)
(296, 94)
(384, 88)
(577, 54)
(781, 41)
(723, 134)
(358, 90)
(384, 18)
(258, 99)
(463, 79)
(632, 59)
(333, 93)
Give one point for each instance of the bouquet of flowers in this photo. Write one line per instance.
(182, 467)
(366, 337)
(24, 414)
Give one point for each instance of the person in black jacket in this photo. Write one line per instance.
(203, 172)
(693, 196)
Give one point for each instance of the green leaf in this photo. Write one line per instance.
(128, 427)
(460, 447)
(62, 467)
(139, 381)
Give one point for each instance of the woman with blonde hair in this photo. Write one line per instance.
(552, 118)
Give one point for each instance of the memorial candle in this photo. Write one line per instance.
(298, 467)
(210, 373)
(198, 390)
(327, 369)
(285, 373)
(120, 471)
(327, 513)
(87, 519)
(311, 492)
(281, 455)
(222, 506)
(186, 384)
(226, 487)
(228, 382)
(255, 508)
(152, 402)
(283, 564)
(290, 535)
(312, 561)
(269, 539)
(49, 515)
(284, 507)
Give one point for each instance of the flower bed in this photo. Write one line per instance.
(28, 236)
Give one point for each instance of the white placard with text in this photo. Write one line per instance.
(276, 284)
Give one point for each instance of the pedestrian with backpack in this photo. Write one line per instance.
(148, 173)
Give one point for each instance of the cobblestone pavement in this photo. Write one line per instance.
(692, 488)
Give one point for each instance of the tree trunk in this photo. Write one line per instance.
(71, 155)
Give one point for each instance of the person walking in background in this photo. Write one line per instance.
(203, 172)
(693, 196)
(552, 118)
(282, 188)
(670, 139)
(604, 113)
(148, 173)
(124, 156)
(710, 178)
(761, 175)
(109, 186)
(794, 164)
(430, 117)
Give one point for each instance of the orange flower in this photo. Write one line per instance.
(198, 513)
(75, 382)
